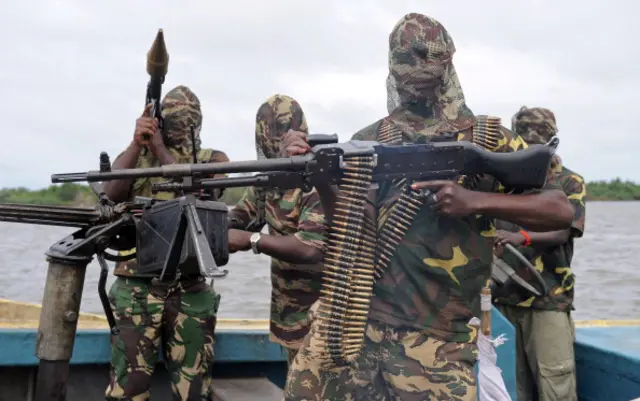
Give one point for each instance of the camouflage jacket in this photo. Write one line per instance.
(554, 264)
(294, 288)
(434, 279)
(142, 187)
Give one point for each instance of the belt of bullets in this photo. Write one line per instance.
(359, 252)
(486, 134)
(401, 214)
(349, 273)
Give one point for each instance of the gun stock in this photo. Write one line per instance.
(524, 169)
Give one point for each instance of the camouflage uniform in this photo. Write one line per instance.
(544, 327)
(180, 318)
(418, 344)
(293, 212)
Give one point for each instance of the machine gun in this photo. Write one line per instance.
(183, 236)
(525, 169)
(353, 166)
(259, 219)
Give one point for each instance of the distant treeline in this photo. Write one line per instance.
(614, 190)
(81, 195)
(69, 194)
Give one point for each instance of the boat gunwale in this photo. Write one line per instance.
(95, 322)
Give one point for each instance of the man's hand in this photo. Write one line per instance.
(146, 127)
(147, 132)
(507, 237)
(448, 197)
(294, 143)
(239, 240)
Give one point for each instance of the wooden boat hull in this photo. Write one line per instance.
(608, 360)
(607, 357)
(243, 350)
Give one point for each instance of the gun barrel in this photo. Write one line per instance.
(211, 183)
(62, 216)
(294, 163)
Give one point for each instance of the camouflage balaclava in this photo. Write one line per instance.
(535, 125)
(180, 110)
(274, 118)
(424, 96)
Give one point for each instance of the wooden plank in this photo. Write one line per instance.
(246, 389)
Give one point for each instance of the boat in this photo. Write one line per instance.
(250, 367)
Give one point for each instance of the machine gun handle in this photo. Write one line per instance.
(321, 139)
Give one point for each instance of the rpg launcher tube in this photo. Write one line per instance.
(158, 58)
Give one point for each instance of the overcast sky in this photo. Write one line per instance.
(73, 73)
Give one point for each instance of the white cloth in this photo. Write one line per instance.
(491, 386)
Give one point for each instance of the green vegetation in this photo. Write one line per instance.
(614, 190)
(70, 194)
(65, 194)
(81, 195)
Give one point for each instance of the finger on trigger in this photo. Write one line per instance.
(440, 194)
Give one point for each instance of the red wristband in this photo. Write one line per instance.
(527, 238)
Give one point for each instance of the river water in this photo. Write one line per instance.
(605, 263)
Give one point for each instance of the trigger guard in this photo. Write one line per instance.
(425, 195)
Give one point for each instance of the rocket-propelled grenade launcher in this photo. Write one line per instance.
(157, 67)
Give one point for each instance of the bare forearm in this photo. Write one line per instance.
(118, 190)
(546, 211)
(549, 239)
(162, 154)
(285, 248)
(289, 249)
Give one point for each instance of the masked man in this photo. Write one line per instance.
(296, 230)
(180, 317)
(544, 328)
(418, 343)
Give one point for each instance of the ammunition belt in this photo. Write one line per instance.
(349, 271)
(356, 255)
(359, 251)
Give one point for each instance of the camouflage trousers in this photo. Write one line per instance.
(180, 319)
(394, 364)
(545, 361)
(291, 354)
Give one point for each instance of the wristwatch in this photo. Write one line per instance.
(255, 237)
